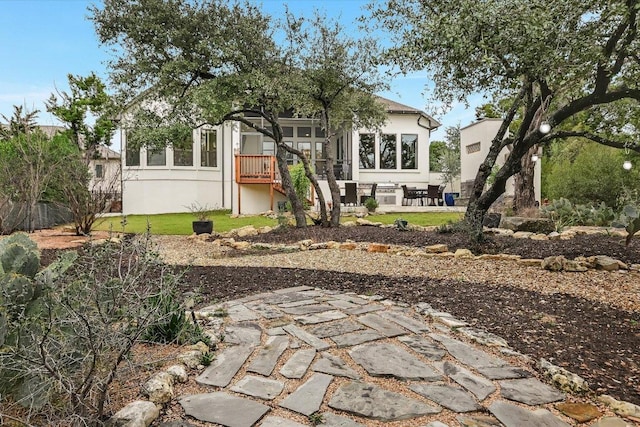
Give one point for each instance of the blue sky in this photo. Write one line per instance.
(44, 40)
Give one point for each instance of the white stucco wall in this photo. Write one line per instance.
(483, 131)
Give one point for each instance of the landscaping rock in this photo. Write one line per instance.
(436, 249)
(308, 397)
(621, 407)
(563, 379)
(606, 263)
(574, 266)
(136, 414)
(529, 391)
(159, 388)
(378, 248)
(533, 225)
(492, 220)
(553, 263)
(463, 254)
(178, 372)
(581, 412)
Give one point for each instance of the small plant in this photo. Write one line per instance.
(564, 213)
(207, 358)
(630, 220)
(401, 224)
(201, 212)
(371, 204)
(316, 418)
(220, 312)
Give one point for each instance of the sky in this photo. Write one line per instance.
(45, 40)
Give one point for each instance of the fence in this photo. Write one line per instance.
(13, 216)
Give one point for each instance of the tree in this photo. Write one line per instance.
(30, 161)
(436, 152)
(553, 60)
(88, 97)
(337, 84)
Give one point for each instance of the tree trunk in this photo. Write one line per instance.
(524, 191)
(296, 204)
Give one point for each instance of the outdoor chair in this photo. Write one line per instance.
(434, 194)
(350, 193)
(372, 195)
(409, 194)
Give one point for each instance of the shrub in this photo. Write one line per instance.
(564, 213)
(630, 220)
(300, 182)
(61, 353)
(371, 204)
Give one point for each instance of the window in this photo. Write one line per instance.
(209, 148)
(99, 172)
(156, 156)
(388, 151)
(473, 148)
(320, 132)
(183, 154)
(269, 147)
(287, 131)
(305, 147)
(409, 149)
(367, 151)
(132, 157)
(303, 131)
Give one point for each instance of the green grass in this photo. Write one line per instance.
(180, 223)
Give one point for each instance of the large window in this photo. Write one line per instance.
(209, 148)
(409, 151)
(156, 157)
(132, 157)
(388, 151)
(367, 151)
(183, 154)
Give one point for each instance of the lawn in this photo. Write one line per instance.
(180, 223)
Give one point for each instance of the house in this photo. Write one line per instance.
(232, 166)
(475, 141)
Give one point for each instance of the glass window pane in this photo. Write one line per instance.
(99, 173)
(209, 148)
(287, 131)
(289, 154)
(319, 153)
(367, 151)
(388, 150)
(183, 154)
(320, 133)
(409, 151)
(305, 147)
(156, 157)
(268, 148)
(132, 157)
(304, 132)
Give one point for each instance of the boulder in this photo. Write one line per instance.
(348, 246)
(159, 388)
(463, 254)
(620, 407)
(378, 247)
(606, 263)
(533, 225)
(436, 249)
(553, 263)
(492, 220)
(563, 379)
(574, 266)
(245, 231)
(139, 413)
(178, 372)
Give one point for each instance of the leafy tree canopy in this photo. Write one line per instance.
(553, 60)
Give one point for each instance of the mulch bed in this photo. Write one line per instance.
(598, 342)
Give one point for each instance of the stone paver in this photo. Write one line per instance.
(515, 416)
(386, 328)
(316, 336)
(333, 420)
(383, 359)
(308, 397)
(450, 397)
(334, 365)
(336, 328)
(371, 401)
(298, 364)
(267, 357)
(529, 391)
(263, 388)
(224, 367)
(223, 408)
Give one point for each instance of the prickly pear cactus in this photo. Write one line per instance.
(630, 220)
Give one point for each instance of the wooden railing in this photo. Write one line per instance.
(256, 169)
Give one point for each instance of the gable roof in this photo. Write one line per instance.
(394, 107)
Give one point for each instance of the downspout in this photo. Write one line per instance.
(223, 159)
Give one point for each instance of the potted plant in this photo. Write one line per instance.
(371, 204)
(203, 223)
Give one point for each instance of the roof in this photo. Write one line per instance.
(398, 108)
(485, 119)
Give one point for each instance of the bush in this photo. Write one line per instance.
(300, 183)
(590, 174)
(62, 353)
(371, 204)
(564, 213)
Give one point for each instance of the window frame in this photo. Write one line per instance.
(208, 148)
(415, 150)
(370, 154)
(388, 143)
